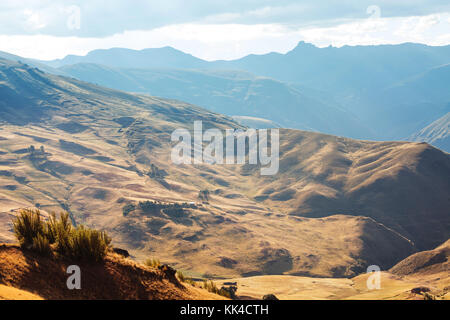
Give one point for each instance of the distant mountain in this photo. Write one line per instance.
(392, 91)
(436, 133)
(234, 93)
(432, 86)
(407, 106)
(32, 62)
(345, 70)
(166, 57)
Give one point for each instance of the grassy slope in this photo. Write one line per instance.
(424, 270)
(10, 293)
(101, 142)
(116, 278)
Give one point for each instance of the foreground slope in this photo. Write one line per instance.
(114, 279)
(336, 206)
(10, 293)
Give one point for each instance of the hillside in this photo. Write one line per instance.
(383, 92)
(114, 279)
(234, 93)
(437, 133)
(426, 272)
(432, 261)
(320, 68)
(336, 206)
(405, 107)
(10, 293)
(166, 57)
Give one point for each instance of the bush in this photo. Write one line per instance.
(427, 296)
(42, 246)
(181, 276)
(88, 244)
(60, 232)
(203, 195)
(154, 263)
(127, 209)
(79, 243)
(225, 293)
(211, 287)
(28, 226)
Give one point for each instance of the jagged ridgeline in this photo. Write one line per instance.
(336, 205)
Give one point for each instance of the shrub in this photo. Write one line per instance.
(42, 246)
(427, 296)
(204, 195)
(79, 243)
(127, 209)
(28, 226)
(224, 293)
(190, 281)
(182, 278)
(59, 232)
(210, 286)
(88, 244)
(154, 263)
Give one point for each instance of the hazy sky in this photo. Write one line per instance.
(210, 29)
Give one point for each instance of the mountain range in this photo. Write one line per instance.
(386, 92)
(380, 92)
(336, 206)
(437, 133)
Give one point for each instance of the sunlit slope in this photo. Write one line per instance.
(421, 274)
(25, 275)
(377, 202)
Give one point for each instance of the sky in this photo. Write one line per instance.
(211, 29)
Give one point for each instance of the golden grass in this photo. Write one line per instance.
(320, 175)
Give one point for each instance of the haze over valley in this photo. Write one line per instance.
(360, 132)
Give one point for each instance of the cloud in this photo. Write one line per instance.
(102, 19)
(426, 29)
(232, 41)
(207, 41)
(34, 20)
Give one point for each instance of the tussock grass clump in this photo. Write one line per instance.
(28, 226)
(210, 286)
(154, 263)
(182, 278)
(59, 232)
(59, 235)
(88, 244)
(428, 296)
(42, 245)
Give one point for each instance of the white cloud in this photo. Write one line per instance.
(231, 41)
(34, 20)
(426, 29)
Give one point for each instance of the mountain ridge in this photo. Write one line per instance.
(336, 206)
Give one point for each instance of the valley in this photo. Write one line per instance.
(336, 206)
